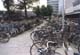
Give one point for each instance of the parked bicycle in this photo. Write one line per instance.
(4, 37)
(75, 40)
(49, 49)
(42, 36)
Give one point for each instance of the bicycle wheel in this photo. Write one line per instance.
(31, 35)
(34, 48)
(4, 38)
(57, 53)
(52, 53)
(34, 36)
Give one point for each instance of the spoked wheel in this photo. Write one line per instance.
(4, 38)
(34, 48)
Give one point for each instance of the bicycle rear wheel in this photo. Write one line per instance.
(34, 48)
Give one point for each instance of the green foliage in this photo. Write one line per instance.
(36, 10)
(46, 11)
(25, 4)
(43, 11)
(49, 10)
(8, 4)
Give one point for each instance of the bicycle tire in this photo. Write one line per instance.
(6, 39)
(33, 36)
(34, 44)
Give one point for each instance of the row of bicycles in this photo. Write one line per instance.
(46, 40)
(14, 28)
(8, 30)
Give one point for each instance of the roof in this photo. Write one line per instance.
(74, 12)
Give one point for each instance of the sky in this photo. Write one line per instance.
(41, 2)
(1, 6)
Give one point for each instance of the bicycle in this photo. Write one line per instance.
(75, 40)
(49, 49)
(4, 37)
(46, 35)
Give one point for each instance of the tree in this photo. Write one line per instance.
(46, 11)
(43, 10)
(36, 10)
(49, 10)
(8, 5)
(25, 4)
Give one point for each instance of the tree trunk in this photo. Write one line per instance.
(25, 9)
(8, 10)
(25, 12)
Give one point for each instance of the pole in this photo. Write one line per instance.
(63, 16)
(63, 20)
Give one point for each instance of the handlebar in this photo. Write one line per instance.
(51, 43)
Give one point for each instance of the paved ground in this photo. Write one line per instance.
(20, 45)
(17, 46)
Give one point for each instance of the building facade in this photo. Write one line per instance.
(54, 4)
(72, 9)
(72, 5)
